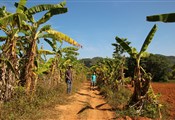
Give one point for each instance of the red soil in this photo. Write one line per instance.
(167, 91)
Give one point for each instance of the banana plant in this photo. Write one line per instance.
(118, 50)
(23, 21)
(10, 24)
(63, 56)
(169, 17)
(138, 94)
(36, 33)
(117, 54)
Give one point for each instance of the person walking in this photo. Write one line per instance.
(93, 81)
(68, 76)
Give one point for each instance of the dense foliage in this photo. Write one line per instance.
(158, 66)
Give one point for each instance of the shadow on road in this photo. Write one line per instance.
(98, 106)
(83, 102)
(84, 94)
(86, 107)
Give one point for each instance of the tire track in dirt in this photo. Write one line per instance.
(86, 105)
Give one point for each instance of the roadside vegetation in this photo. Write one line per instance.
(29, 79)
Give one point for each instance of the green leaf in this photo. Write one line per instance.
(21, 6)
(44, 7)
(51, 13)
(61, 36)
(134, 52)
(148, 40)
(169, 17)
(52, 44)
(145, 55)
(69, 49)
(3, 38)
(12, 18)
(3, 12)
(44, 28)
(46, 52)
(125, 46)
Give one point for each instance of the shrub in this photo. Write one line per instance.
(116, 99)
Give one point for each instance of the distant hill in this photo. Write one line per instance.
(170, 58)
(91, 61)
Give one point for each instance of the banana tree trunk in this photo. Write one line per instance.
(122, 70)
(52, 75)
(7, 77)
(59, 77)
(30, 77)
(137, 85)
(2, 80)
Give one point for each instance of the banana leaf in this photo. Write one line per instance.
(25, 27)
(49, 36)
(3, 12)
(70, 49)
(3, 38)
(125, 46)
(41, 8)
(21, 6)
(61, 36)
(145, 55)
(44, 28)
(169, 17)
(52, 44)
(148, 39)
(49, 14)
(46, 52)
(12, 18)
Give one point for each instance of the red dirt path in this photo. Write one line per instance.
(167, 91)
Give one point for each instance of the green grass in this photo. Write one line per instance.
(117, 99)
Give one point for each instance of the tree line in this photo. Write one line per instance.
(160, 66)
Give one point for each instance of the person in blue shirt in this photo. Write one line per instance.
(93, 81)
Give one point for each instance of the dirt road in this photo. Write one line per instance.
(86, 105)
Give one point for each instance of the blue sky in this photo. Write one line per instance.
(95, 24)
